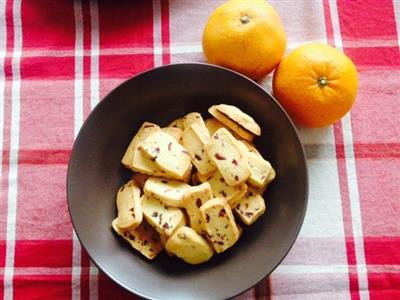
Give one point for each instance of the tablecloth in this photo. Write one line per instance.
(59, 58)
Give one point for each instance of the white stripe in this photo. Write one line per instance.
(94, 99)
(187, 49)
(94, 55)
(355, 204)
(78, 119)
(47, 270)
(78, 88)
(3, 50)
(157, 42)
(336, 269)
(14, 144)
(351, 172)
(282, 269)
(337, 36)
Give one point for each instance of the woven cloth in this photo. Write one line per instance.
(59, 58)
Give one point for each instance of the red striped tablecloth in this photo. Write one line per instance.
(59, 58)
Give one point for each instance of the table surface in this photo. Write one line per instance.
(59, 58)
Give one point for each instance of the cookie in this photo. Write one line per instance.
(235, 127)
(219, 187)
(261, 171)
(186, 244)
(129, 206)
(169, 192)
(143, 238)
(219, 224)
(194, 140)
(164, 219)
(227, 157)
(178, 123)
(195, 197)
(251, 207)
(241, 118)
(167, 153)
(144, 131)
(175, 132)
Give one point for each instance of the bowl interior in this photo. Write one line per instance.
(95, 174)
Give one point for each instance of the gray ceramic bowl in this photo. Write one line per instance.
(95, 174)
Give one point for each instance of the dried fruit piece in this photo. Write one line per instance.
(140, 179)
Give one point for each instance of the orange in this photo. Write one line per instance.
(246, 36)
(316, 84)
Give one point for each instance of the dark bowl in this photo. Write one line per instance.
(95, 174)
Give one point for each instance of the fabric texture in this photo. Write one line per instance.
(59, 58)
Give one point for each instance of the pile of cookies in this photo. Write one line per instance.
(190, 179)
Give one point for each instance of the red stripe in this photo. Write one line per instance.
(377, 150)
(346, 210)
(48, 24)
(268, 288)
(328, 22)
(2, 253)
(262, 290)
(165, 35)
(384, 286)
(343, 181)
(43, 253)
(47, 68)
(85, 275)
(1, 287)
(87, 27)
(42, 157)
(55, 287)
(87, 38)
(382, 250)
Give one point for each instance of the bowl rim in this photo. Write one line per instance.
(98, 106)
